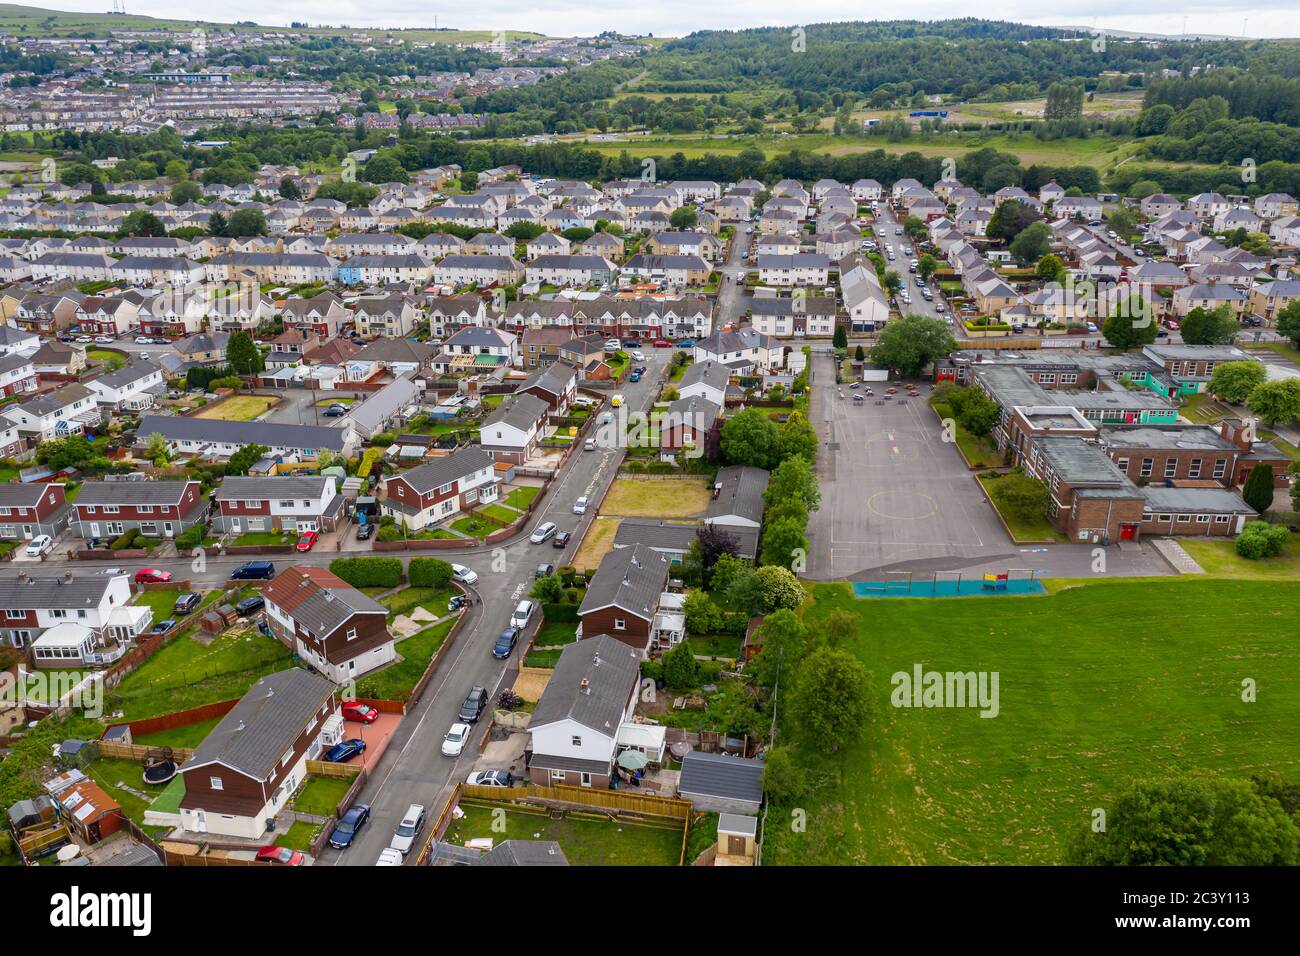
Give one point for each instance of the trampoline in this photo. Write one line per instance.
(159, 766)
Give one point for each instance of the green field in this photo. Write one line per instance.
(395, 681)
(1099, 685)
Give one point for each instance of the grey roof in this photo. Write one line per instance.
(1077, 462)
(518, 411)
(440, 471)
(1195, 500)
(53, 590)
(327, 608)
(611, 671)
(524, 853)
(270, 434)
(1201, 437)
(15, 494)
(741, 494)
(395, 350)
(554, 378)
(707, 372)
(385, 403)
(134, 492)
(127, 374)
(717, 775)
(57, 399)
(278, 486)
(741, 823)
(656, 535)
(257, 732)
(630, 579)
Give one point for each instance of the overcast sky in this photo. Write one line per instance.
(1256, 18)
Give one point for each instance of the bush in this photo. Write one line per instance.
(382, 439)
(560, 613)
(368, 572)
(125, 540)
(190, 537)
(679, 665)
(1261, 540)
(430, 573)
(652, 670)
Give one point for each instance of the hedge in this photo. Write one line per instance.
(125, 540)
(368, 572)
(429, 573)
(560, 613)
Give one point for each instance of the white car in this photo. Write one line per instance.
(103, 340)
(463, 574)
(389, 857)
(543, 531)
(39, 545)
(454, 742)
(143, 340)
(83, 339)
(639, 356)
(408, 829)
(580, 506)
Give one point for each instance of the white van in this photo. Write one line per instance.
(523, 614)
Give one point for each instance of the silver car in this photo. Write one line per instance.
(408, 829)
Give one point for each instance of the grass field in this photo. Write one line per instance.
(979, 452)
(433, 600)
(521, 497)
(656, 498)
(556, 634)
(237, 408)
(1220, 559)
(396, 680)
(1023, 530)
(191, 735)
(321, 795)
(596, 543)
(585, 842)
(1099, 685)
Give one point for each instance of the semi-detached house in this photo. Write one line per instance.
(441, 489)
(159, 509)
(57, 414)
(278, 502)
(34, 602)
(218, 438)
(512, 431)
(27, 510)
(336, 629)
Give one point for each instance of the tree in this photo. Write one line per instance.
(781, 589)
(1130, 325)
(793, 480)
(1064, 102)
(1010, 219)
(783, 541)
(978, 413)
(71, 452)
(242, 354)
(859, 354)
(714, 542)
(911, 343)
(1020, 495)
(1234, 381)
(218, 224)
(244, 459)
(782, 641)
(384, 169)
(1209, 327)
(830, 705)
(927, 266)
(749, 438)
(247, 222)
(837, 629)
(683, 217)
(186, 191)
(1191, 821)
(1032, 243)
(289, 188)
(680, 668)
(1259, 539)
(1288, 323)
(784, 781)
(1276, 402)
(1258, 489)
(796, 437)
(840, 337)
(157, 450)
(524, 231)
(702, 615)
(143, 223)
(548, 589)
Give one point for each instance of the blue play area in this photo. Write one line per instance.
(990, 586)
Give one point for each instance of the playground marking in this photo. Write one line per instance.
(873, 506)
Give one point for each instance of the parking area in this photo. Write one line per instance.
(892, 490)
(376, 736)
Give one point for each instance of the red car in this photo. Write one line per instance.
(306, 540)
(279, 854)
(152, 576)
(662, 344)
(361, 713)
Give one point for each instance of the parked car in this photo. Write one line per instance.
(186, 603)
(345, 750)
(103, 340)
(616, 401)
(523, 614)
(249, 605)
(389, 857)
(542, 532)
(365, 531)
(39, 545)
(152, 576)
(474, 704)
(84, 339)
(589, 445)
(561, 539)
(638, 356)
(686, 344)
(580, 506)
(505, 644)
(491, 778)
(345, 831)
(359, 712)
(408, 829)
(249, 571)
(307, 540)
(463, 574)
(456, 603)
(454, 742)
(634, 377)
(662, 344)
(146, 340)
(336, 411)
(279, 854)
(162, 627)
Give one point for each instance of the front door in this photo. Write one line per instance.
(235, 526)
(94, 529)
(200, 821)
(168, 530)
(27, 531)
(1127, 532)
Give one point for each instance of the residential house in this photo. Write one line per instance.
(441, 489)
(555, 384)
(277, 503)
(32, 508)
(219, 438)
(130, 388)
(511, 432)
(35, 602)
(622, 597)
(333, 627)
(65, 411)
(737, 505)
(158, 509)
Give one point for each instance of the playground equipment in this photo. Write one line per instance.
(160, 765)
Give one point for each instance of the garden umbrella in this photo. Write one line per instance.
(632, 760)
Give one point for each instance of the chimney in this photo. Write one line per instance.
(22, 577)
(585, 686)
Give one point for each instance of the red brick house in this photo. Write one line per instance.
(27, 510)
(622, 597)
(441, 489)
(331, 625)
(555, 384)
(163, 509)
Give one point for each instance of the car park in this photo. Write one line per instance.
(39, 545)
(349, 825)
(361, 713)
(453, 742)
(471, 709)
(463, 575)
(345, 750)
(491, 778)
(186, 602)
(152, 576)
(505, 644)
(408, 829)
(542, 532)
(306, 540)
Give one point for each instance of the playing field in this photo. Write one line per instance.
(237, 408)
(1099, 685)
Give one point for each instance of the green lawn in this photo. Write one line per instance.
(321, 795)
(162, 602)
(522, 497)
(396, 680)
(716, 645)
(299, 836)
(433, 600)
(1101, 684)
(1220, 559)
(501, 513)
(191, 735)
(263, 538)
(585, 842)
(545, 659)
(186, 674)
(556, 634)
(108, 774)
(979, 452)
(475, 526)
(1023, 529)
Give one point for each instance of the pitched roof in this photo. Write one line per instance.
(271, 434)
(630, 579)
(66, 590)
(592, 683)
(741, 493)
(440, 471)
(319, 600)
(238, 488)
(717, 775)
(518, 411)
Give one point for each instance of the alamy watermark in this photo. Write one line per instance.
(946, 689)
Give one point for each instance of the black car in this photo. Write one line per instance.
(505, 643)
(475, 702)
(561, 539)
(186, 603)
(365, 531)
(336, 411)
(249, 606)
(162, 627)
(254, 571)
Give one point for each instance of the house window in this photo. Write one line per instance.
(352, 634)
(1147, 465)
(557, 776)
(1222, 519)
(575, 741)
(1202, 519)
(1171, 467)
(215, 783)
(15, 615)
(620, 624)
(1194, 471)
(1122, 464)
(1220, 467)
(1184, 519)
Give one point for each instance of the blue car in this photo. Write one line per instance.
(505, 643)
(346, 749)
(350, 826)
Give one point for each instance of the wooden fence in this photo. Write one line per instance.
(121, 751)
(617, 801)
(181, 718)
(338, 771)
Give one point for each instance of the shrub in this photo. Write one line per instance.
(680, 670)
(652, 670)
(1261, 540)
(368, 572)
(125, 540)
(382, 439)
(430, 573)
(560, 613)
(190, 537)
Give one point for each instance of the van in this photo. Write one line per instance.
(253, 571)
(523, 614)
